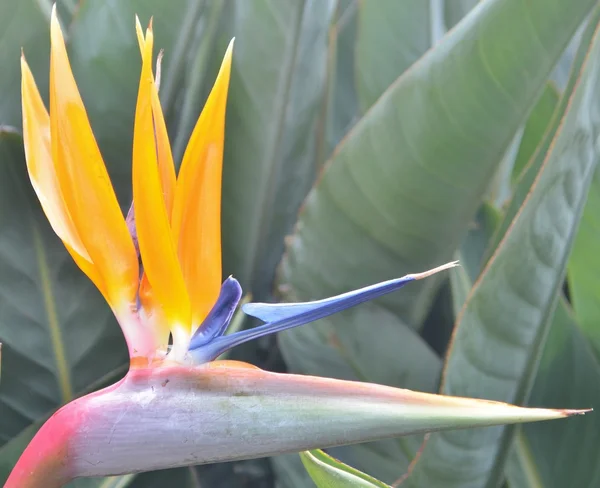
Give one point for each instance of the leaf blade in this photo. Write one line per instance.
(495, 348)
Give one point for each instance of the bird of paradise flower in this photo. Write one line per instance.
(160, 272)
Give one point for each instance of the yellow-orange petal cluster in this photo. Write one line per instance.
(177, 219)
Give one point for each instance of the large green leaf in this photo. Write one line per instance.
(24, 25)
(57, 332)
(568, 376)
(403, 186)
(584, 268)
(537, 124)
(455, 10)
(559, 454)
(106, 63)
(278, 79)
(532, 167)
(339, 110)
(391, 36)
(328, 472)
(501, 330)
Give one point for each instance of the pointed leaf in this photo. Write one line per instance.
(584, 268)
(328, 472)
(277, 82)
(501, 329)
(339, 107)
(24, 26)
(391, 36)
(537, 124)
(569, 374)
(527, 176)
(381, 204)
(455, 10)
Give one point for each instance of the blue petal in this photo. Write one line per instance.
(287, 316)
(220, 315)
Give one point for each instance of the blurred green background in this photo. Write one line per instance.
(364, 140)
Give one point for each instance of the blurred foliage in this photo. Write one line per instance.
(365, 140)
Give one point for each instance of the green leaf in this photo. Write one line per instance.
(58, 334)
(24, 25)
(584, 268)
(403, 186)
(391, 36)
(278, 79)
(196, 84)
(106, 62)
(477, 240)
(538, 122)
(339, 109)
(500, 333)
(559, 454)
(455, 10)
(528, 174)
(328, 472)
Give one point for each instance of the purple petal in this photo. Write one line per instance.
(220, 315)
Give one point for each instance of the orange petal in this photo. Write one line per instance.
(166, 166)
(38, 150)
(84, 181)
(154, 233)
(196, 218)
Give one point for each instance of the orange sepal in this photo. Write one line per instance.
(152, 223)
(196, 218)
(84, 182)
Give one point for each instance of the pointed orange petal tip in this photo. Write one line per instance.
(86, 189)
(140, 34)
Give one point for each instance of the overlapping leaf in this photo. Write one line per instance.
(278, 80)
(328, 472)
(24, 25)
(403, 186)
(496, 346)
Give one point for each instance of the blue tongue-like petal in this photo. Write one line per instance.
(280, 317)
(220, 315)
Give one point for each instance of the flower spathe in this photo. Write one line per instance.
(176, 291)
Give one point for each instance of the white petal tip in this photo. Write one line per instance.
(425, 274)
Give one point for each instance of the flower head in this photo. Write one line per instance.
(168, 289)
